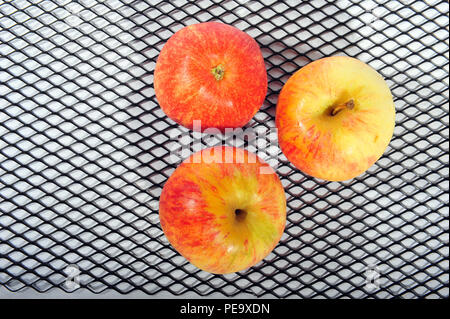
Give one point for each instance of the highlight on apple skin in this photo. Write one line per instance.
(223, 209)
(210, 72)
(335, 118)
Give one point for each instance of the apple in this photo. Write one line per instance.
(335, 118)
(213, 73)
(223, 209)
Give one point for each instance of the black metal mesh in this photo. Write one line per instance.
(84, 150)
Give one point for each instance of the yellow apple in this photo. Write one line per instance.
(335, 118)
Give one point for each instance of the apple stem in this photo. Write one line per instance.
(218, 72)
(240, 214)
(348, 105)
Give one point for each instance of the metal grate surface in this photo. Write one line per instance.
(85, 150)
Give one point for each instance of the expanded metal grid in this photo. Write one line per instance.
(84, 150)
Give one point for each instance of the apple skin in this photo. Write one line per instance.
(198, 204)
(335, 118)
(211, 72)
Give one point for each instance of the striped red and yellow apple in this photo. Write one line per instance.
(210, 72)
(223, 209)
(335, 118)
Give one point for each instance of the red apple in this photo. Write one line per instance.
(335, 117)
(211, 72)
(223, 209)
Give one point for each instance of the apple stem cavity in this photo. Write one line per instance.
(218, 72)
(347, 105)
(240, 214)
